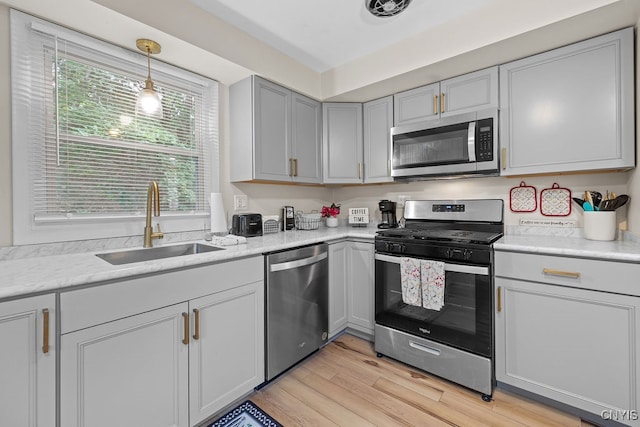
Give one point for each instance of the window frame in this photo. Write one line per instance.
(26, 230)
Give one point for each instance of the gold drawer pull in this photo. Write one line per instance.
(570, 274)
(45, 331)
(499, 299)
(196, 332)
(185, 319)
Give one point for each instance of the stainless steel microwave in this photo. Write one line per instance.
(465, 144)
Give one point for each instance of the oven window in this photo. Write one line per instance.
(431, 147)
(465, 320)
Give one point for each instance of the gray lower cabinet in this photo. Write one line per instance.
(378, 121)
(342, 149)
(275, 133)
(558, 339)
(28, 362)
(570, 109)
(163, 350)
(351, 287)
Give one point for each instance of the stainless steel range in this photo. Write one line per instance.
(434, 289)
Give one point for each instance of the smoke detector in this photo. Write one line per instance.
(386, 8)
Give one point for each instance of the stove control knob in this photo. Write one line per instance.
(467, 254)
(448, 253)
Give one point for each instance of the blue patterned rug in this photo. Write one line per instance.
(247, 414)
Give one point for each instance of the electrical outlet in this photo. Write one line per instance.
(241, 202)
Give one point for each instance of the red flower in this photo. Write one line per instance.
(333, 210)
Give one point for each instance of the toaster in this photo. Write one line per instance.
(247, 225)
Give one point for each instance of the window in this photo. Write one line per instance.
(82, 159)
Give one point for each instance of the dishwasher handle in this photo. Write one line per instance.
(290, 265)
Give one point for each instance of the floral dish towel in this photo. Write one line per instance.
(411, 282)
(432, 281)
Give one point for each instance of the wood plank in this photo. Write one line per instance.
(350, 400)
(328, 408)
(297, 412)
(346, 384)
(433, 408)
(530, 412)
(394, 408)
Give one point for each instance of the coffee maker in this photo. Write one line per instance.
(388, 211)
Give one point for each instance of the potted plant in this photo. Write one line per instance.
(331, 214)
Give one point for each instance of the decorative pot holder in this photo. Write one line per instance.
(523, 198)
(555, 201)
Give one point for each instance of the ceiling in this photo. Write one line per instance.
(336, 32)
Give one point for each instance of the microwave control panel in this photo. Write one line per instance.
(484, 140)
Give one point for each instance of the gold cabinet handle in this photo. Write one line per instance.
(45, 331)
(499, 299)
(504, 158)
(295, 162)
(570, 274)
(388, 167)
(435, 104)
(185, 319)
(290, 167)
(360, 170)
(442, 102)
(196, 332)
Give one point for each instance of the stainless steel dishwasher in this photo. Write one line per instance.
(297, 305)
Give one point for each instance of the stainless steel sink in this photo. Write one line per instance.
(148, 254)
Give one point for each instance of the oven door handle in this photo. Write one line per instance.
(454, 268)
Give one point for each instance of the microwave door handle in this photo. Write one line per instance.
(471, 141)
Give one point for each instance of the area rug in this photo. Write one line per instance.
(247, 414)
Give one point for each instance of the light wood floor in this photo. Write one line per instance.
(345, 384)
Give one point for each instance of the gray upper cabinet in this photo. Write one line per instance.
(462, 94)
(275, 133)
(569, 109)
(378, 121)
(342, 143)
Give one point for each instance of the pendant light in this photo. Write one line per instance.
(149, 102)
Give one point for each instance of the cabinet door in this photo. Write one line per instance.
(28, 367)
(470, 92)
(569, 109)
(378, 121)
(338, 309)
(306, 139)
(226, 358)
(130, 372)
(272, 138)
(361, 286)
(575, 346)
(417, 104)
(342, 143)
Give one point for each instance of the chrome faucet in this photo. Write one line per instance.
(152, 194)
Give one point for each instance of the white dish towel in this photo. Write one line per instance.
(432, 283)
(410, 278)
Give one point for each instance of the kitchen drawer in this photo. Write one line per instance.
(87, 307)
(599, 275)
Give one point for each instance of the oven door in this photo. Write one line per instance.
(465, 321)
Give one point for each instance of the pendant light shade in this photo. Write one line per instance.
(148, 102)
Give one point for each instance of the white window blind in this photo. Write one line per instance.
(89, 157)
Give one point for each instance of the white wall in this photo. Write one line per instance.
(485, 188)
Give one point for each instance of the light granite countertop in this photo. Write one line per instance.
(625, 250)
(36, 274)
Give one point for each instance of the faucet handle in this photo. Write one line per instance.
(157, 234)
